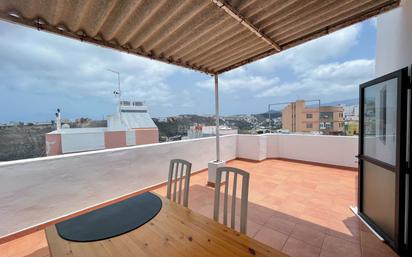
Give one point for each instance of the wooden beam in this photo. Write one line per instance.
(242, 20)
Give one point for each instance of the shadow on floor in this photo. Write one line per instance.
(296, 236)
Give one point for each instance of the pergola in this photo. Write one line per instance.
(210, 36)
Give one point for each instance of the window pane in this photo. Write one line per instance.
(380, 121)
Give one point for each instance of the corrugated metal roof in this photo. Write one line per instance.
(208, 36)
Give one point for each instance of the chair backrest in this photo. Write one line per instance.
(179, 170)
(225, 171)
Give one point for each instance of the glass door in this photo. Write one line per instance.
(382, 155)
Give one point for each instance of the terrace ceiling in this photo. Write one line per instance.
(209, 36)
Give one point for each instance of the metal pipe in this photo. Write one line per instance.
(270, 120)
(243, 21)
(217, 117)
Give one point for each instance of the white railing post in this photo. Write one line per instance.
(213, 165)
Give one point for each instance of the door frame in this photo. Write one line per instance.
(400, 165)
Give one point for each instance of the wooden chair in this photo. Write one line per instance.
(176, 177)
(243, 199)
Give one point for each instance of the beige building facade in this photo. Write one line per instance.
(297, 117)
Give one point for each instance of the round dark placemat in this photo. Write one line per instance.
(112, 220)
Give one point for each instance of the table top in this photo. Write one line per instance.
(175, 231)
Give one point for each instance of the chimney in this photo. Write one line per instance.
(58, 120)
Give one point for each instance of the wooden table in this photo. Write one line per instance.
(175, 231)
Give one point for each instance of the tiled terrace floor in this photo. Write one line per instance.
(300, 209)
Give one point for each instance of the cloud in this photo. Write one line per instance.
(332, 80)
(345, 72)
(40, 63)
(239, 79)
(312, 53)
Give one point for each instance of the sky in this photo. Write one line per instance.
(40, 72)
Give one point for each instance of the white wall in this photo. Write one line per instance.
(335, 150)
(34, 191)
(394, 39)
(252, 147)
(79, 142)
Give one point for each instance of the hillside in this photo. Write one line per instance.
(22, 142)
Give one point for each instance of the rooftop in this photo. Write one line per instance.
(289, 210)
(290, 202)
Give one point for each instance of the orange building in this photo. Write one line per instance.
(297, 117)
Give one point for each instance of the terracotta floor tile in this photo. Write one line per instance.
(341, 247)
(253, 228)
(344, 231)
(280, 224)
(323, 222)
(312, 225)
(308, 235)
(32, 245)
(297, 248)
(259, 214)
(42, 252)
(326, 253)
(375, 252)
(271, 237)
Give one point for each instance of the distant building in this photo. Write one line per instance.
(351, 112)
(199, 130)
(131, 126)
(297, 117)
(12, 123)
(351, 117)
(351, 128)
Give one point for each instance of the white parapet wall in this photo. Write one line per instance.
(333, 150)
(252, 147)
(34, 191)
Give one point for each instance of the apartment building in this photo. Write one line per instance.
(298, 117)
